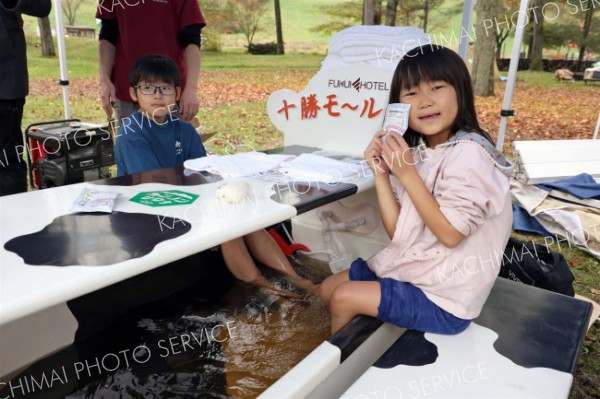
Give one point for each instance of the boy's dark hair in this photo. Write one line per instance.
(436, 63)
(154, 68)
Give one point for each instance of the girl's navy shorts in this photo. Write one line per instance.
(406, 306)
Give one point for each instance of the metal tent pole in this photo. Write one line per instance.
(62, 54)
(463, 46)
(512, 73)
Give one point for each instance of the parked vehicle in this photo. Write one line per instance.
(592, 74)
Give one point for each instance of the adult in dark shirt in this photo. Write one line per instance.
(14, 87)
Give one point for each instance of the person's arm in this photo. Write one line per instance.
(35, 8)
(189, 41)
(189, 102)
(397, 152)
(109, 33)
(106, 58)
(388, 206)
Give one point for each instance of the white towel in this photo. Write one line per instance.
(236, 165)
(313, 168)
(379, 46)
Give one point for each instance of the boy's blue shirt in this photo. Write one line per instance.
(146, 145)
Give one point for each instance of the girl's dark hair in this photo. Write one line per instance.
(154, 68)
(431, 63)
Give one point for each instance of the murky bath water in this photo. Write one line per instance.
(191, 346)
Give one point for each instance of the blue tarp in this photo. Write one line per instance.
(522, 221)
(582, 186)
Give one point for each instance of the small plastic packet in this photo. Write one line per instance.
(90, 200)
(396, 119)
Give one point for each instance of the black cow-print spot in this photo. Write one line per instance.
(95, 239)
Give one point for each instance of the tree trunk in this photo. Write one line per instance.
(390, 13)
(483, 59)
(537, 44)
(377, 12)
(586, 31)
(368, 12)
(46, 37)
(280, 49)
(425, 15)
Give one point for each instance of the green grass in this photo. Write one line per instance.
(232, 60)
(251, 127)
(82, 59)
(47, 108)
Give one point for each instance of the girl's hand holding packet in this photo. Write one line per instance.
(396, 119)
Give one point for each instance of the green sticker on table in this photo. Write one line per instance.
(164, 198)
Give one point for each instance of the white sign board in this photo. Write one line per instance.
(339, 110)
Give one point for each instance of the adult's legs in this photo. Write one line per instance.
(13, 170)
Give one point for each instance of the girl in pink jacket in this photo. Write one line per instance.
(443, 194)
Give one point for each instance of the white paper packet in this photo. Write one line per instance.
(90, 200)
(396, 119)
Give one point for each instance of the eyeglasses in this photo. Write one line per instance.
(150, 90)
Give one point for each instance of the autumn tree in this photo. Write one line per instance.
(484, 55)
(418, 13)
(578, 23)
(426, 14)
(246, 16)
(70, 8)
(502, 25)
(341, 16)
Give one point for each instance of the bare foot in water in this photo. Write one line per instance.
(262, 282)
(305, 284)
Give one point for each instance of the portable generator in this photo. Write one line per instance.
(67, 151)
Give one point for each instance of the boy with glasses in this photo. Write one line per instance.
(154, 138)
